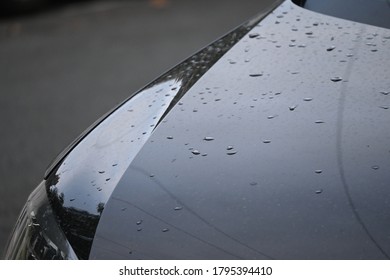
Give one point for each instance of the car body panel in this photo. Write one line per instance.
(374, 12)
(280, 151)
(82, 178)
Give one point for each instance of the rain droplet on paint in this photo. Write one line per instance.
(336, 79)
(331, 48)
(254, 35)
(375, 167)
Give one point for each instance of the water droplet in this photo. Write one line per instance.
(309, 33)
(331, 48)
(254, 35)
(375, 167)
(271, 117)
(385, 92)
(151, 175)
(266, 141)
(196, 152)
(319, 121)
(108, 179)
(115, 164)
(123, 209)
(292, 108)
(384, 107)
(165, 230)
(169, 137)
(101, 172)
(229, 148)
(139, 229)
(139, 222)
(208, 138)
(307, 99)
(204, 155)
(319, 191)
(256, 75)
(177, 208)
(336, 79)
(195, 110)
(292, 45)
(231, 152)
(318, 171)
(72, 199)
(253, 183)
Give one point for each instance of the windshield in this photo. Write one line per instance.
(374, 12)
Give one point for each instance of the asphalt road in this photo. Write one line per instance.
(62, 68)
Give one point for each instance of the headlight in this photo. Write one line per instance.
(37, 234)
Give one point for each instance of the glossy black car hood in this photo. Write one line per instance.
(281, 150)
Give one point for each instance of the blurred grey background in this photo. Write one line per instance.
(63, 65)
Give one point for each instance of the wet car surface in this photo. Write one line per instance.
(51, 52)
(273, 146)
(297, 167)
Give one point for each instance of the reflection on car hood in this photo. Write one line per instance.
(281, 150)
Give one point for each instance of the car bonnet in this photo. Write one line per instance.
(280, 151)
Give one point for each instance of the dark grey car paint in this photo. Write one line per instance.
(296, 163)
(82, 178)
(374, 12)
